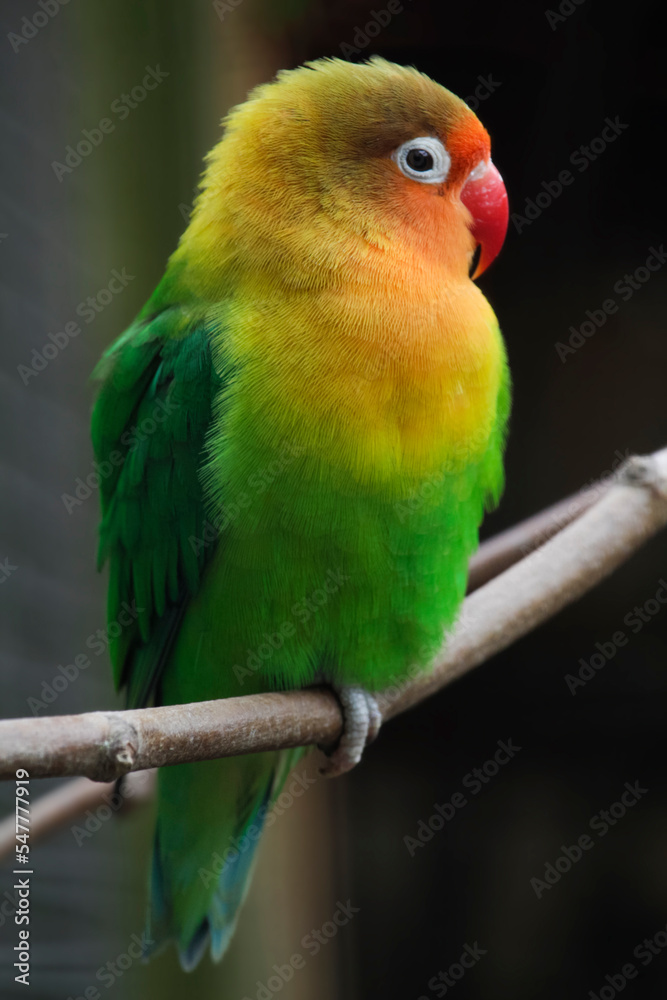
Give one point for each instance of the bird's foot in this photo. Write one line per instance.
(362, 721)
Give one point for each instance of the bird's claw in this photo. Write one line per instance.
(362, 721)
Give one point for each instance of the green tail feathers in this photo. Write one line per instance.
(210, 819)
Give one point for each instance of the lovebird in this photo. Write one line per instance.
(305, 425)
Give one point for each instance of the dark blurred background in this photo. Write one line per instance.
(546, 82)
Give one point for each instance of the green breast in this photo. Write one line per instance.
(313, 577)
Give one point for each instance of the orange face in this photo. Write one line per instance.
(308, 179)
(440, 186)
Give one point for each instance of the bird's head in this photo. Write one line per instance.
(334, 164)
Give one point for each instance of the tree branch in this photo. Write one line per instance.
(106, 745)
(56, 809)
(71, 800)
(508, 547)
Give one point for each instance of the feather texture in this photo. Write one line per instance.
(310, 415)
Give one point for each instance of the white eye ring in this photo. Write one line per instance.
(439, 157)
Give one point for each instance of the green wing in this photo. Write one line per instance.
(149, 434)
(149, 429)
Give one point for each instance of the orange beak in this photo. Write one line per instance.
(485, 198)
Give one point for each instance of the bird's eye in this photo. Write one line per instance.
(419, 159)
(423, 159)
